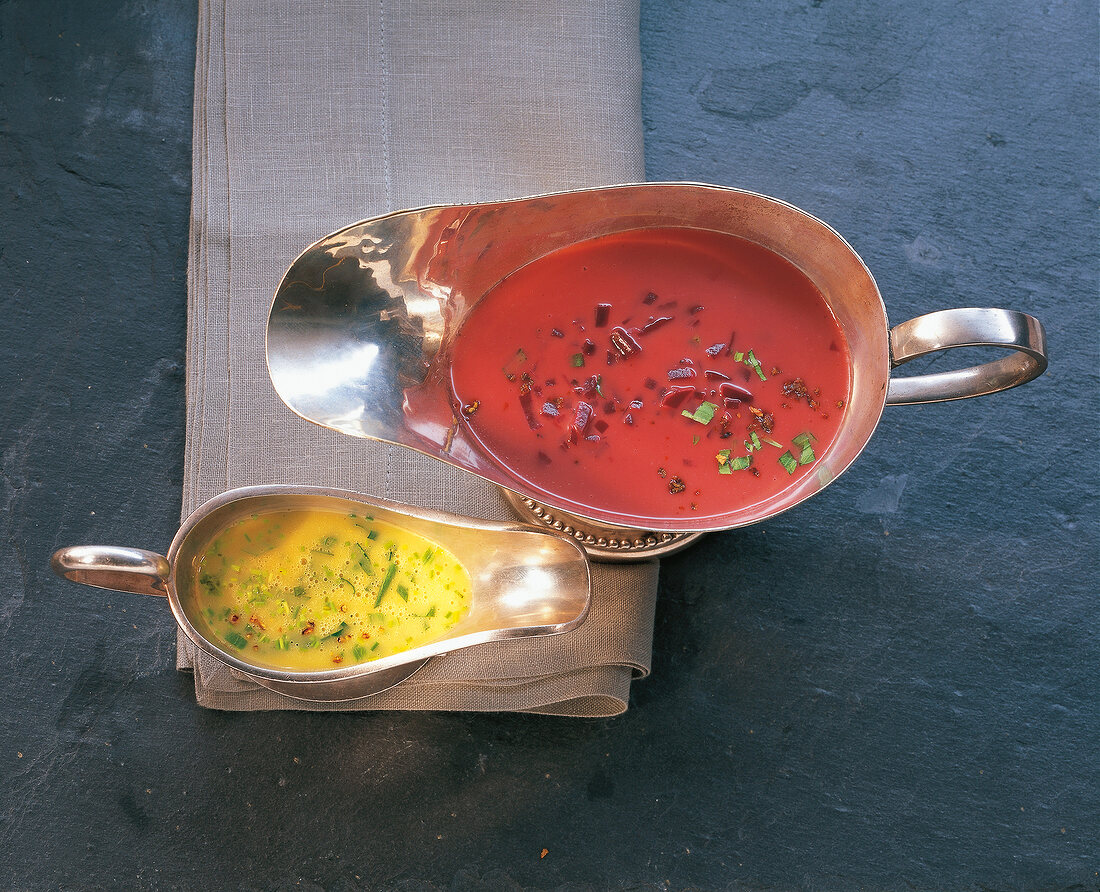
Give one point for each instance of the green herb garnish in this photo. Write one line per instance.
(343, 628)
(804, 441)
(237, 640)
(751, 361)
(788, 462)
(577, 360)
(403, 591)
(727, 464)
(358, 651)
(390, 573)
(364, 560)
(704, 414)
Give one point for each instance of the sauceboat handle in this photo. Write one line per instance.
(110, 566)
(966, 327)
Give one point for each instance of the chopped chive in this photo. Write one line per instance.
(339, 631)
(347, 582)
(577, 360)
(772, 442)
(740, 463)
(403, 591)
(390, 573)
(694, 441)
(788, 462)
(754, 363)
(725, 469)
(431, 611)
(359, 651)
(429, 554)
(374, 646)
(755, 440)
(739, 357)
(237, 640)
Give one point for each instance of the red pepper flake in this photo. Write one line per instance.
(308, 630)
(661, 472)
(603, 311)
(765, 419)
(338, 658)
(470, 408)
(676, 485)
(235, 618)
(256, 621)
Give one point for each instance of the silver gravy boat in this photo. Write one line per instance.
(362, 327)
(526, 581)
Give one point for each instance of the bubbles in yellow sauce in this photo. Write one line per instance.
(322, 590)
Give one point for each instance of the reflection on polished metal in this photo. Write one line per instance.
(603, 542)
(973, 327)
(526, 582)
(362, 327)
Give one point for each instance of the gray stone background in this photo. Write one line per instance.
(893, 687)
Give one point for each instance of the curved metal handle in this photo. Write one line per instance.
(969, 327)
(109, 566)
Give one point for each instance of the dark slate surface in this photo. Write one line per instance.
(895, 686)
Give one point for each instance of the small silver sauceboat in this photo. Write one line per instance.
(526, 581)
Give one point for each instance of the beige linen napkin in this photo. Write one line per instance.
(311, 116)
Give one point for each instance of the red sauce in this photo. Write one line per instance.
(617, 372)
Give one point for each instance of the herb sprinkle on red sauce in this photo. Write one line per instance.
(654, 373)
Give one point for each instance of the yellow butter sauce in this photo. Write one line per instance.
(320, 589)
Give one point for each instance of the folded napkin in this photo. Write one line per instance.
(311, 116)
